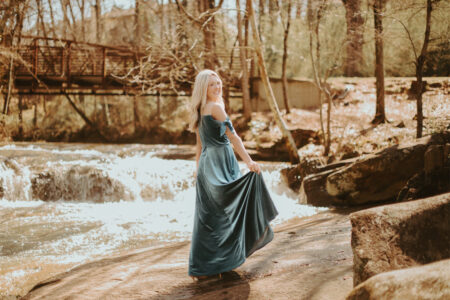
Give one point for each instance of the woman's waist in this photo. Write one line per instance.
(215, 145)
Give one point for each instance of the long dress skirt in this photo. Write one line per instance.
(232, 212)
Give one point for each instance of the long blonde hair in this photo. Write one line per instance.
(199, 96)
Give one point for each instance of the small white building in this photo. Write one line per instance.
(301, 94)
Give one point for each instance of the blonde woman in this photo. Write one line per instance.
(232, 211)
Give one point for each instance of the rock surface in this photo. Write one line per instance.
(431, 281)
(78, 183)
(404, 172)
(309, 258)
(400, 235)
(313, 186)
(378, 177)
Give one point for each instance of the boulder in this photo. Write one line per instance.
(78, 183)
(294, 175)
(431, 281)
(433, 179)
(397, 236)
(380, 176)
(313, 186)
(312, 190)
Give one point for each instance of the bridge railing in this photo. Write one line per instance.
(59, 62)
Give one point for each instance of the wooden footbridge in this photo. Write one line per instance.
(59, 66)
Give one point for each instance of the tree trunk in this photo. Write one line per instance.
(74, 20)
(290, 143)
(106, 111)
(52, 18)
(136, 115)
(380, 116)
(355, 30)
(260, 16)
(285, 56)
(19, 12)
(44, 105)
(81, 4)
(10, 86)
(316, 66)
(66, 19)
(161, 21)
(98, 22)
(34, 115)
(205, 21)
(419, 69)
(244, 79)
(20, 117)
(209, 30)
(298, 9)
(137, 24)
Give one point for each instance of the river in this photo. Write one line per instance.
(62, 205)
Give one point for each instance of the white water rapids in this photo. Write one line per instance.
(66, 204)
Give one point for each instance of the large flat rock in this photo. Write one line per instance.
(309, 258)
(382, 177)
(431, 281)
(397, 236)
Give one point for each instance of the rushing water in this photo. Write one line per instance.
(66, 204)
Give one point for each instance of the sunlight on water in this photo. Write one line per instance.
(69, 205)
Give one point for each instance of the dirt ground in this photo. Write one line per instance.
(309, 258)
(352, 132)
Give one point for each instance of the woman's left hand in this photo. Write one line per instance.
(254, 167)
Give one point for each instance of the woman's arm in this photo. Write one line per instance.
(198, 149)
(219, 114)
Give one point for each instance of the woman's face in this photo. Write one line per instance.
(214, 91)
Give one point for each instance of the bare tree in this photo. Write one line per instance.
(67, 23)
(52, 17)
(314, 16)
(420, 60)
(244, 79)
(137, 23)
(290, 143)
(205, 20)
(81, 7)
(98, 21)
(286, 26)
(355, 31)
(378, 8)
(15, 19)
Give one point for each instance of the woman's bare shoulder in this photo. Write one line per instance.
(218, 112)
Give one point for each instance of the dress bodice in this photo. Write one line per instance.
(212, 131)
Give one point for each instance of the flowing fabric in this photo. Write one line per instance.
(232, 212)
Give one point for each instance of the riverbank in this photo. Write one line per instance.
(122, 120)
(309, 258)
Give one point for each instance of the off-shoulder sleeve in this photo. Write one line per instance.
(224, 125)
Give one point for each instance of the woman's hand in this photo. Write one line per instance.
(254, 167)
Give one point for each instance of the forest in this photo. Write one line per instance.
(317, 41)
(343, 104)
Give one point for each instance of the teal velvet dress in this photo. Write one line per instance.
(232, 211)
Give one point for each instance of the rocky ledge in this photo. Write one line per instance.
(404, 172)
(397, 236)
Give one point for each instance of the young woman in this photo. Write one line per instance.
(232, 211)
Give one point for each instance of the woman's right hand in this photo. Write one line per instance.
(254, 167)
